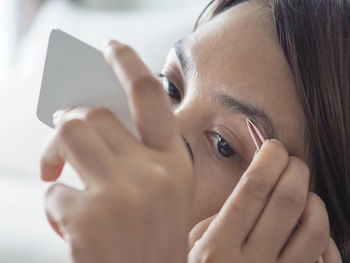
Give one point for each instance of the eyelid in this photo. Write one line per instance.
(174, 73)
(226, 133)
(171, 77)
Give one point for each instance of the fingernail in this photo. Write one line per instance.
(320, 260)
(109, 43)
(56, 117)
(276, 141)
(256, 135)
(255, 153)
(57, 114)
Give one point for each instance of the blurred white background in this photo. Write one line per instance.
(151, 26)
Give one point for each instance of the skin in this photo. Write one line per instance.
(250, 67)
(235, 210)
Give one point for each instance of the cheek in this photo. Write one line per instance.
(213, 185)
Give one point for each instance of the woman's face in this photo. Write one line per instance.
(229, 69)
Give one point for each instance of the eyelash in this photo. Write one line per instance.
(176, 95)
(234, 156)
(167, 85)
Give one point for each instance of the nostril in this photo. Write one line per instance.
(188, 148)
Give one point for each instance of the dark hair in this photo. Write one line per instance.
(315, 38)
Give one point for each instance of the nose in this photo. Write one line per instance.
(190, 119)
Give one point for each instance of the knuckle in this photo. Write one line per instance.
(207, 258)
(291, 198)
(314, 198)
(146, 84)
(163, 183)
(70, 127)
(278, 149)
(205, 255)
(198, 230)
(293, 195)
(98, 114)
(299, 166)
(320, 202)
(318, 222)
(52, 190)
(52, 198)
(320, 232)
(323, 220)
(315, 202)
(122, 50)
(257, 185)
(194, 235)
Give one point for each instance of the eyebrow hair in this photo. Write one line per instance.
(184, 61)
(258, 116)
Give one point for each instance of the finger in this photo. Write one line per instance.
(107, 125)
(76, 142)
(61, 201)
(282, 212)
(150, 106)
(198, 230)
(311, 237)
(331, 254)
(54, 225)
(242, 209)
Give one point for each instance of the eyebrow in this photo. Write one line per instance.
(180, 53)
(258, 116)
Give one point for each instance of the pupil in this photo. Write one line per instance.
(224, 148)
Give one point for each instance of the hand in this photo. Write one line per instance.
(258, 222)
(138, 192)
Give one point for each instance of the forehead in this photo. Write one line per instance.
(238, 53)
(243, 37)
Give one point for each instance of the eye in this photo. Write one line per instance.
(170, 88)
(223, 148)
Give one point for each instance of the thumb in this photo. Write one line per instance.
(198, 231)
